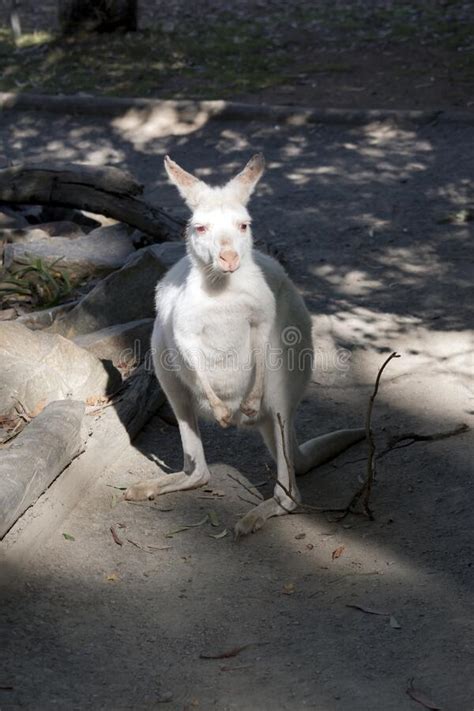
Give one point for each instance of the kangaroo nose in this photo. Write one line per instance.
(229, 260)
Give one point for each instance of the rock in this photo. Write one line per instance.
(61, 228)
(39, 367)
(102, 250)
(37, 456)
(126, 295)
(11, 219)
(8, 314)
(50, 213)
(23, 234)
(36, 320)
(123, 344)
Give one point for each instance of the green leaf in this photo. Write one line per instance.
(68, 537)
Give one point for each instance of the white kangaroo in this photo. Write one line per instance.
(232, 342)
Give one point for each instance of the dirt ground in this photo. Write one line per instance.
(372, 223)
(410, 54)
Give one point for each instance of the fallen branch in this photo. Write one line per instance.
(366, 488)
(98, 189)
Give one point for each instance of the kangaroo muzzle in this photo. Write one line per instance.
(229, 260)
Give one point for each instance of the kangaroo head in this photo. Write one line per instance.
(218, 234)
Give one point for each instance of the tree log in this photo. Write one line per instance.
(102, 190)
(37, 456)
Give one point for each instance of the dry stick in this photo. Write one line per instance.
(366, 488)
(247, 488)
(304, 507)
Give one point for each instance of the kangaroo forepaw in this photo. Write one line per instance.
(251, 406)
(223, 415)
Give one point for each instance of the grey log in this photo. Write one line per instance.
(37, 456)
(102, 190)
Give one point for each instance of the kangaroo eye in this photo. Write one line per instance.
(201, 229)
(243, 226)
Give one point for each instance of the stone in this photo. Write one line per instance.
(12, 235)
(123, 343)
(37, 456)
(36, 320)
(126, 295)
(10, 218)
(51, 213)
(101, 251)
(39, 367)
(61, 228)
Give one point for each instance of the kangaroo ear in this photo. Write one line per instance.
(190, 187)
(243, 184)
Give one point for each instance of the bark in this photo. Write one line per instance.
(102, 190)
(37, 456)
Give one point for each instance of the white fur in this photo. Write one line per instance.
(233, 346)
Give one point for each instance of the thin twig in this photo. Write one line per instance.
(302, 507)
(366, 488)
(247, 488)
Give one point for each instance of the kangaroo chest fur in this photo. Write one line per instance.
(214, 329)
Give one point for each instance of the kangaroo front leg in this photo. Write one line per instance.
(286, 497)
(195, 472)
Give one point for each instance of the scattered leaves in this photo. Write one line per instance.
(420, 698)
(338, 552)
(68, 537)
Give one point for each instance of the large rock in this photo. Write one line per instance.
(126, 295)
(39, 367)
(37, 456)
(123, 344)
(102, 250)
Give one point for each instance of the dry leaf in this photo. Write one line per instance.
(288, 589)
(418, 696)
(112, 577)
(222, 534)
(115, 536)
(213, 518)
(226, 655)
(394, 623)
(187, 527)
(338, 552)
(369, 610)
